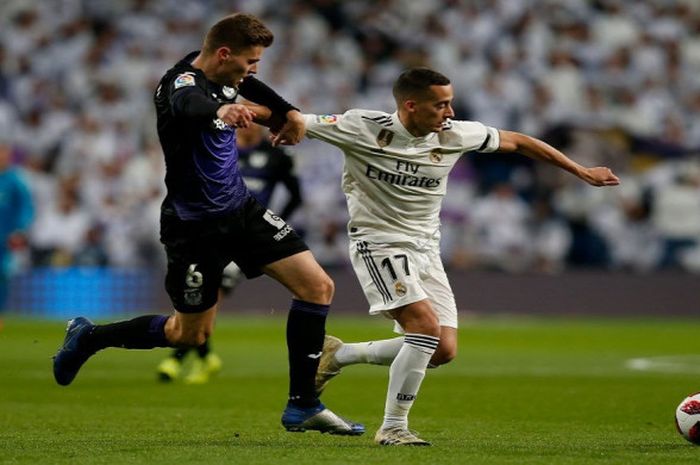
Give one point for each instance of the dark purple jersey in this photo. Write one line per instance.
(202, 174)
(264, 167)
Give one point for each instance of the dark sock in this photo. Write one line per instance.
(306, 327)
(144, 332)
(203, 350)
(179, 353)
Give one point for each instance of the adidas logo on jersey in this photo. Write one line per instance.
(283, 233)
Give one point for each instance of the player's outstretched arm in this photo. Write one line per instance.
(293, 130)
(286, 122)
(263, 115)
(539, 150)
(236, 115)
(288, 130)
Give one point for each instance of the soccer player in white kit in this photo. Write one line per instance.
(395, 176)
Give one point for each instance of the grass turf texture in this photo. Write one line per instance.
(522, 391)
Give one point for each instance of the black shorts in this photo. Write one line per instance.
(199, 250)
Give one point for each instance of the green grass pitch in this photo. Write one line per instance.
(522, 391)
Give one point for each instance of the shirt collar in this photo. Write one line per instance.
(403, 132)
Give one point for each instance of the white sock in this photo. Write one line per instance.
(405, 377)
(382, 352)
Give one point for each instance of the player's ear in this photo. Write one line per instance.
(223, 54)
(409, 105)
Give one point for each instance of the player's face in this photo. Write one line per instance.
(432, 110)
(234, 66)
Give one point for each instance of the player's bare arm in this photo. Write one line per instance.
(236, 115)
(262, 114)
(293, 130)
(540, 150)
(286, 132)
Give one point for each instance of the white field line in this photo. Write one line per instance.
(666, 364)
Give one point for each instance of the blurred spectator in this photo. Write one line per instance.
(61, 228)
(610, 82)
(551, 238)
(16, 214)
(500, 221)
(676, 214)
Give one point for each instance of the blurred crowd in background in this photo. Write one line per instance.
(609, 82)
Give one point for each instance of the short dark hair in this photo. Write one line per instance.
(415, 83)
(237, 31)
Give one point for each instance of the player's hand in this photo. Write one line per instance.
(292, 132)
(235, 115)
(600, 176)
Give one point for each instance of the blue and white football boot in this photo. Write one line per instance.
(319, 418)
(72, 354)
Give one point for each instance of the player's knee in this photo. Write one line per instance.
(327, 288)
(430, 323)
(320, 290)
(426, 323)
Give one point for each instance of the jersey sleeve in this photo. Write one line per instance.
(258, 92)
(335, 129)
(475, 136)
(188, 99)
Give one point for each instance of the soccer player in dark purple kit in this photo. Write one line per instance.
(209, 218)
(263, 167)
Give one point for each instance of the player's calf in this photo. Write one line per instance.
(442, 356)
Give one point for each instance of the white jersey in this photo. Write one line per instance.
(394, 182)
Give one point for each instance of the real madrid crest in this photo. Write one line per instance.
(400, 288)
(384, 138)
(436, 156)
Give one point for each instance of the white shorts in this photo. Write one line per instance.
(393, 276)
